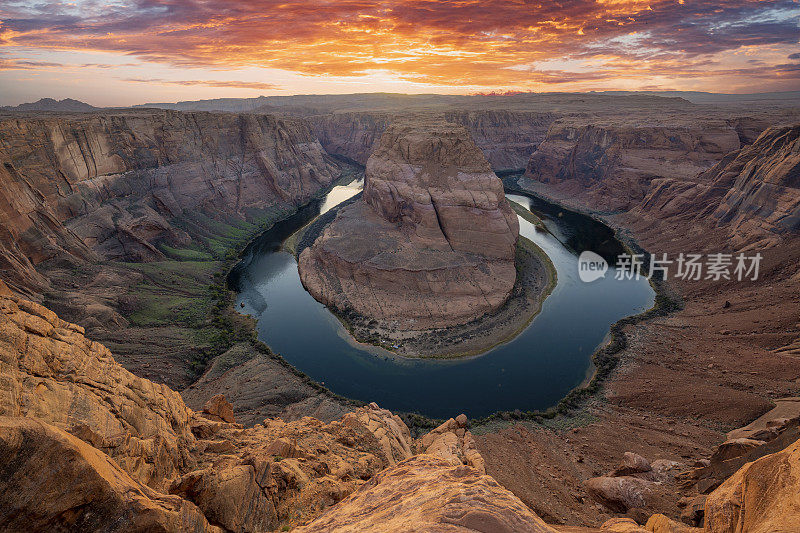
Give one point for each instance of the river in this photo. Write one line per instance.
(532, 371)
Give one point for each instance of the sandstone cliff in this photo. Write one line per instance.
(432, 242)
(436, 497)
(129, 452)
(753, 193)
(611, 164)
(506, 137)
(87, 446)
(117, 185)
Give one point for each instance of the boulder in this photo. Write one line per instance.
(53, 481)
(452, 442)
(618, 493)
(632, 463)
(218, 408)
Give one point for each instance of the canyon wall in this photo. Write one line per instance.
(506, 137)
(431, 244)
(612, 165)
(126, 454)
(753, 193)
(87, 446)
(116, 185)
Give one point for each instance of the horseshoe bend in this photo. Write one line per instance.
(554, 288)
(432, 242)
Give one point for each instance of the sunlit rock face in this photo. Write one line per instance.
(430, 244)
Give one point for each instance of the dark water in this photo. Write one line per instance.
(532, 371)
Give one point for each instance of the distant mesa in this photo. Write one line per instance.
(49, 104)
(430, 244)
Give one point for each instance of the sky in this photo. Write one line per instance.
(128, 52)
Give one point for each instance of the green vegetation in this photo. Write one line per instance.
(186, 296)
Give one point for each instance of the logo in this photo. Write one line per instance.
(591, 266)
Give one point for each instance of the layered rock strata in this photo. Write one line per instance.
(85, 445)
(436, 497)
(506, 137)
(431, 243)
(611, 165)
(107, 447)
(753, 192)
(119, 185)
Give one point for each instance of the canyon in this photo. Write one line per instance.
(110, 217)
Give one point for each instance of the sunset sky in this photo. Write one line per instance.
(134, 51)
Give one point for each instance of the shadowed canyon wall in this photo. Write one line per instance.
(753, 192)
(117, 185)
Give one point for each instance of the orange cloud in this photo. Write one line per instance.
(492, 43)
(208, 83)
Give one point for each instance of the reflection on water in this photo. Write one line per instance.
(532, 371)
(341, 193)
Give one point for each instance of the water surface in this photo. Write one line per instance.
(533, 371)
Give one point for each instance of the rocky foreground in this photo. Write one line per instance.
(432, 242)
(87, 446)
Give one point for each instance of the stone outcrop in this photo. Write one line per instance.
(431, 243)
(760, 497)
(611, 165)
(134, 445)
(772, 432)
(762, 184)
(118, 185)
(429, 494)
(85, 445)
(54, 481)
(632, 484)
(454, 443)
(52, 373)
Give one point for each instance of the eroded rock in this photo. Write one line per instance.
(432, 242)
(760, 497)
(436, 497)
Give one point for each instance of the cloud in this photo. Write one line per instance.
(208, 83)
(10, 63)
(453, 42)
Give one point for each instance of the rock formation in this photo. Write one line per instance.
(129, 451)
(760, 497)
(117, 185)
(612, 164)
(429, 494)
(753, 193)
(85, 445)
(431, 244)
